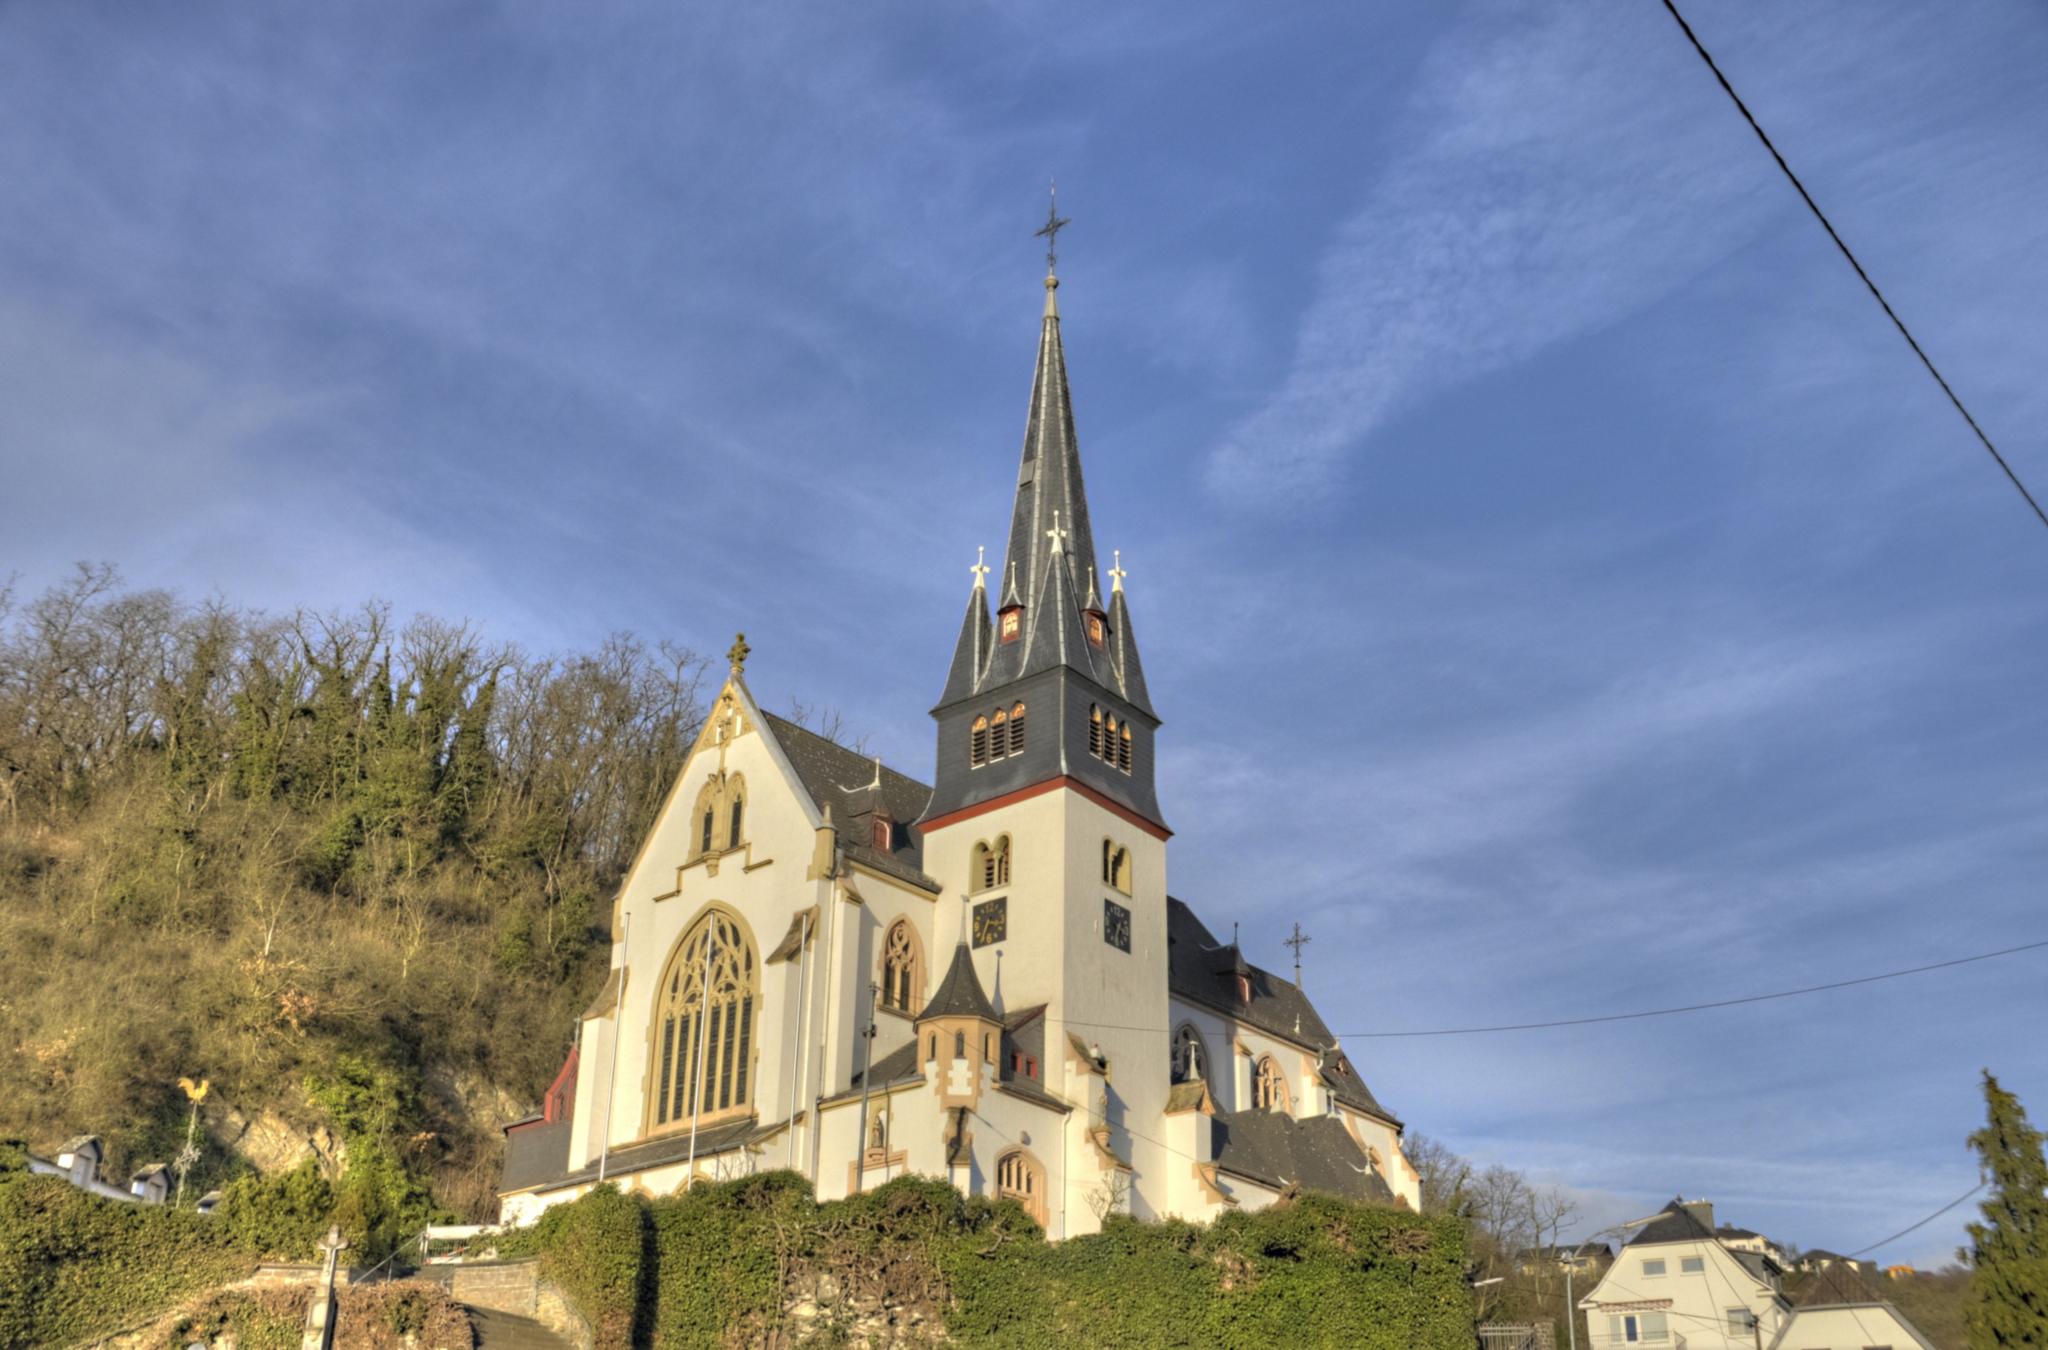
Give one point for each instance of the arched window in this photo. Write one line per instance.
(902, 970)
(932, 1046)
(977, 743)
(1190, 1056)
(739, 812)
(703, 1028)
(1020, 1178)
(1269, 1086)
(1116, 866)
(1017, 730)
(707, 816)
(1095, 731)
(959, 1045)
(991, 865)
(704, 837)
(1123, 749)
(999, 735)
(1109, 738)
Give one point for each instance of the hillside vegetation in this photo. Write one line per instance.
(355, 874)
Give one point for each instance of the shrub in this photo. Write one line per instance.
(73, 1263)
(722, 1264)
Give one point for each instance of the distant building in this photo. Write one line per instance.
(1820, 1259)
(1679, 1284)
(151, 1184)
(79, 1162)
(1744, 1240)
(1899, 1272)
(1578, 1258)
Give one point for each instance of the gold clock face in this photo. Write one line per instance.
(991, 921)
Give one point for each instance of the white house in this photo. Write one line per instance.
(1678, 1284)
(1049, 1023)
(78, 1162)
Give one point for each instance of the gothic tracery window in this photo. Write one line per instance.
(1019, 1178)
(1116, 865)
(991, 865)
(1190, 1056)
(703, 1027)
(900, 968)
(1269, 1086)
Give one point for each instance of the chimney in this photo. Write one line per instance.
(1703, 1210)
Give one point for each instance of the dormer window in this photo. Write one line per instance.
(1096, 628)
(884, 832)
(1244, 988)
(1010, 623)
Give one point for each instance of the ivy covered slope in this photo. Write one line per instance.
(756, 1261)
(354, 873)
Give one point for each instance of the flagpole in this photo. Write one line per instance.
(611, 1074)
(703, 1033)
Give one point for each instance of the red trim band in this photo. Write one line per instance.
(1115, 808)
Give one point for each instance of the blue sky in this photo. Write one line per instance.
(1563, 592)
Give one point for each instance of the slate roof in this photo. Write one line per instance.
(534, 1153)
(670, 1148)
(841, 779)
(1277, 1150)
(1835, 1285)
(894, 1067)
(1197, 970)
(960, 993)
(1675, 1223)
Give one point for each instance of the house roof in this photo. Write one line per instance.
(1277, 1150)
(1197, 966)
(1838, 1284)
(853, 785)
(1674, 1223)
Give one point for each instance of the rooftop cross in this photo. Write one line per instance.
(1050, 231)
(1116, 572)
(738, 653)
(980, 568)
(1297, 941)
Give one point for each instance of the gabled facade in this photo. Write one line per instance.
(1679, 1284)
(1049, 1024)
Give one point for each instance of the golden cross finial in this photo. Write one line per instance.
(1056, 534)
(980, 568)
(1116, 571)
(738, 653)
(1050, 231)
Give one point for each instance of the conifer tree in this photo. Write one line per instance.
(2009, 1304)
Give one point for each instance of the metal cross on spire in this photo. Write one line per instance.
(1116, 572)
(1050, 231)
(1297, 941)
(980, 568)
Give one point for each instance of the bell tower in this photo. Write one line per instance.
(1044, 824)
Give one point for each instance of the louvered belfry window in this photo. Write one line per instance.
(1017, 730)
(704, 1044)
(999, 735)
(977, 743)
(1095, 731)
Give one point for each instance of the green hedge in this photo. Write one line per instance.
(72, 1264)
(716, 1267)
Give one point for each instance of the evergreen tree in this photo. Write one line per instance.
(2009, 1307)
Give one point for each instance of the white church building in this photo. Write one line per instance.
(822, 964)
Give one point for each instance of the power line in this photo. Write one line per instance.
(1924, 1222)
(1638, 1015)
(1876, 294)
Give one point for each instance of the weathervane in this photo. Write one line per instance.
(980, 568)
(1116, 571)
(1298, 941)
(1050, 231)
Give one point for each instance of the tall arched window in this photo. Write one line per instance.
(1123, 749)
(1095, 731)
(977, 743)
(1116, 866)
(991, 866)
(703, 1029)
(1020, 1178)
(1017, 730)
(736, 811)
(999, 735)
(902, 970)
(1269, 1086)
(1190, 1056)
